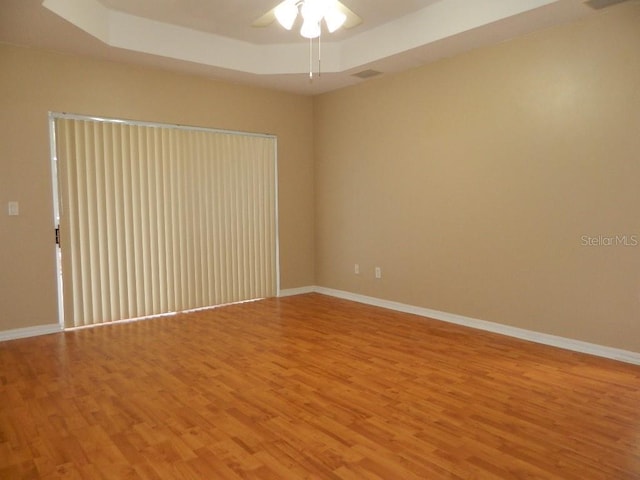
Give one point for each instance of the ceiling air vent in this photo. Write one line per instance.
(366, 74)
(599, 4)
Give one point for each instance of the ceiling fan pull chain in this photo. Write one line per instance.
(319, 53)
(310, 60)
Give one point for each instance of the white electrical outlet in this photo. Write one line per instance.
(356, 269)
(378, 272)
(13, 208)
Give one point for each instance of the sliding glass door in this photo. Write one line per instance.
(158, 218)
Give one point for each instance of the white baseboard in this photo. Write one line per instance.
(532, 336)
(29, 332)
(289, 292)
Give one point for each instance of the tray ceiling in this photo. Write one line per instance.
(215, 37)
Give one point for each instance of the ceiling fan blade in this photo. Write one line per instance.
(270, 17)
(352, 20)
(266, 19)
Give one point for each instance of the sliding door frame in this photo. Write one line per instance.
(58, 205)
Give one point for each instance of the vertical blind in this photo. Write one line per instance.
(157, 219)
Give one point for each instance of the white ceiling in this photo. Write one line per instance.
(215, 37)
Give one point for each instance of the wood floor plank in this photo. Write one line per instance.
(311, 387)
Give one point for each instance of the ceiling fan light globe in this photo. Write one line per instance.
(334, 19)
(286, 14)
(313, 10)
(310, 29)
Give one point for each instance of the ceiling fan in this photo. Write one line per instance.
(334, 13)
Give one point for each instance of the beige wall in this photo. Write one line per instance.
(471, 182)
(35, 82)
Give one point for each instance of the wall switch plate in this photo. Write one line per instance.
(378, 272)
(356, 269)
(13, 208)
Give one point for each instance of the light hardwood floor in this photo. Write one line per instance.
(311, 387)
